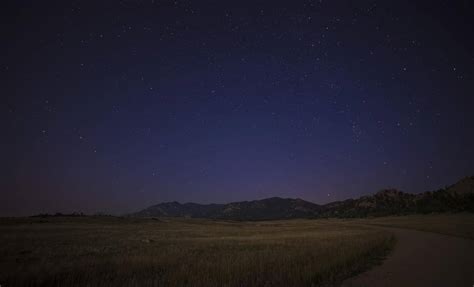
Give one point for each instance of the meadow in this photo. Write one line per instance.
(454, 224)
(113, 251)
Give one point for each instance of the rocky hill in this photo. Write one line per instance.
(269, 208)
(455, 198)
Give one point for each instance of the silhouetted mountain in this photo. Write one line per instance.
(269, 208)
(456, 198)
(176, 209)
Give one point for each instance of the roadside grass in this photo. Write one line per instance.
(460, 224)
(184, 252)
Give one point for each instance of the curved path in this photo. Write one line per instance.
(422, 259)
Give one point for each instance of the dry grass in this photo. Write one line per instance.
(461, 224)
(132, 252)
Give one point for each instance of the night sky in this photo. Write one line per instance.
(113, 106)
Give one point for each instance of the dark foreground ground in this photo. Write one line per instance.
(422, 259)
(102, 251)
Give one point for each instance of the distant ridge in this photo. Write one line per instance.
(455, 198)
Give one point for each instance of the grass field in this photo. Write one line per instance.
(461, 224)
(184, 252)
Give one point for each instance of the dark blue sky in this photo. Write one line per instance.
(116, 105)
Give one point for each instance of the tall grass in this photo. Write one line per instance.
(128, 252)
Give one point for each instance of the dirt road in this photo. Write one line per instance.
(422, 259)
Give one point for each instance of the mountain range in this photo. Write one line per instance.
(455, 198)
